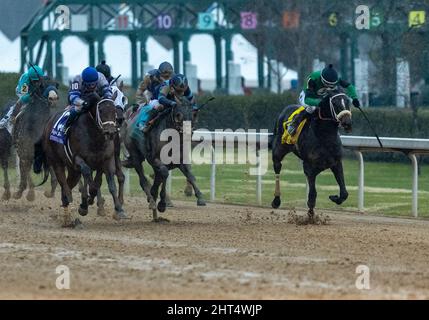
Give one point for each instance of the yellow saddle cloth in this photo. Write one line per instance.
(286, 137)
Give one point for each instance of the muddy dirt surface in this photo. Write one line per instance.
(213, 252)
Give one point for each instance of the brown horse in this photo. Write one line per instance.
(90, 147)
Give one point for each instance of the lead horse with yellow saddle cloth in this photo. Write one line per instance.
(316, 142)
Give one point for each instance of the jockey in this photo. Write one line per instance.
(318, 85)
(88, 82)
(149, 88)
(177, 86)
(26, 84)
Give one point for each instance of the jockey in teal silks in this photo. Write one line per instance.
(26, 84)
(318, 85)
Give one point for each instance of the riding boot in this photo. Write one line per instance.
(74, 114)
(5, 121)
(153, 115)
(293, 126)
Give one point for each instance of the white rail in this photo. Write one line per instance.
(359, 144)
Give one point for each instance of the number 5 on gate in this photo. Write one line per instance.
(205, 21)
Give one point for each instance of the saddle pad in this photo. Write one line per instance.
(57, 134)
(286, 137)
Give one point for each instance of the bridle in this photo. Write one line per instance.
(100, 123)
(334, 116)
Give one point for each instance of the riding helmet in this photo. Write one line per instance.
(166, 68)
(179, 83)
(329, 76)
(104, 69)
(89, 75)
(35, 73)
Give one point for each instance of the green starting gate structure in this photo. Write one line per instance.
(94, 20)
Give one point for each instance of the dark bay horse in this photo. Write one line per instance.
(5, 151)
(91, 148)
(319, 146)
(149, 147)
(28, 130)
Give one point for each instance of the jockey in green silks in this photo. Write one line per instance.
(317, 87)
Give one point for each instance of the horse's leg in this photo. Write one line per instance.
(144, 184)
(54, 183)
(83, 189)
(338, 172)
(109, 171)
(87, 180)
(6, 194)
(311, 174)
(119, 173)
(161, 175)
(279, 152)
(190, 178)
(121, 180)
(23, 180)
(188, 189)
(95, 191)
(30, 194)
(66, 196)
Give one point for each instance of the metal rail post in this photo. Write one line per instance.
(361, 182)
(213, 176)
(415, 184)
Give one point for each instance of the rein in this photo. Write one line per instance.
(335, 117)
(98, 119)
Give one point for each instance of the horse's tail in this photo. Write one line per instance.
(40, 162)
(273, 136)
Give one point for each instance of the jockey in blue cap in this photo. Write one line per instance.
(88, 82)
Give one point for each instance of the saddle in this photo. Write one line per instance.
(286, 137)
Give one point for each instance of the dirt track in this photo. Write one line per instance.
(222, 252)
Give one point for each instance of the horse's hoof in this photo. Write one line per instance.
(161, 220)
(83, 211)
(152, 204)
(201, 203)
(161, 206)
(49, 194)
(17, 195)
(169, 203)
(101, 212)
(90, 201)
(276, 203)
(336, 199)
(31, 196)
(120, 215)
(6, 196)
(72, 224)
(188, 192)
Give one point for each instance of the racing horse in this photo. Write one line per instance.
(28, 130)
(5, 152)
(90, 147)
(319, 146)
(149, 147)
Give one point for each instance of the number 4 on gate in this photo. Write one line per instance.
(416, 19)
(205, 21)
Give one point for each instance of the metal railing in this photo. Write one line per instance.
(410, 147)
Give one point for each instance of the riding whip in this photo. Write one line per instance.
(370, 125)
